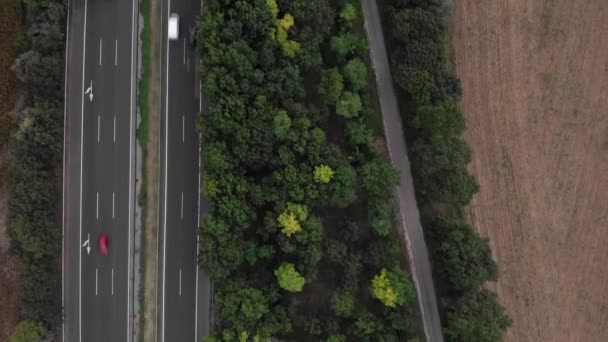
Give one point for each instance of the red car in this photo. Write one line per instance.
(104, 240)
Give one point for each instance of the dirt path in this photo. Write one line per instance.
(535, 81)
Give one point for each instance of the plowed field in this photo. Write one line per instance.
(535, 82)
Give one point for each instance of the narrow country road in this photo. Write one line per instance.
(409, 217)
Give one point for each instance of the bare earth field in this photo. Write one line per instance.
(535, 81)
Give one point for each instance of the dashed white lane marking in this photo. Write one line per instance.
(96, 287)
(182, 206)
(183, 128)
(114, 130)
(112, 281)
(115, 52)
(112, 204)
(184, 39)
(180, 281)
(98, 127)
(97, 207)
(100, 49)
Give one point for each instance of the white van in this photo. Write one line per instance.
(174, 26)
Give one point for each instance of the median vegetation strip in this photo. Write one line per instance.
(301, 200)
(462, 260)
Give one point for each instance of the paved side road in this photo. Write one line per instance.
(409, 217)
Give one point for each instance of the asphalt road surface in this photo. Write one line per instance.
(408, 208)
(185, 290)
(99, 160)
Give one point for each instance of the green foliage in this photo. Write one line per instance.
(281, 124)
(348, 44)
(464, 259)
(349, 104)
(439, 122)
(221, 249)
(27, 331)
(380, 215)
(242, 306)
(288, 278)
(323, 173)
(348, 13)
(358, 133)
(378, 177)
(355, 73)
(476, 317)
(343, 189)
(392, 288)
(343, 303)
(331, 85)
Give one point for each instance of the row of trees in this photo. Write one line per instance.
(301, 201)
(462, 259)
(33, 224)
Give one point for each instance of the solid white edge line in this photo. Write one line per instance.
(84, 51)
(198, 223)
(100, 50)
(162, 338)
(180, 282)
(63, 214)
(131, 184)
(115, 52)
(158, 223)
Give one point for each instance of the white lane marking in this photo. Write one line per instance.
(112, 204)
(114, 130)
(84, 51)
(131, 173)
(63, 214)
(182, 207)
(100, 48)
(115, 52)
(180, 282)
(183, 128)
(166, 169)
(96, 287)
(112, 281)
(98, 127)
(97, 207)
(198, 223)
(184, 39)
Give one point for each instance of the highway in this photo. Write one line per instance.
(99, 169)
(184, 289)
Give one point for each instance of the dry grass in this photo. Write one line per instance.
(535, 80)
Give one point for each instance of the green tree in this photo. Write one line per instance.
(392, 287)
(289, 279)
(477, 316)
(355, 73)
(343, 189)
(27, 331)
(291, 217)
(380, 216)
(358, 133)
(281, 124)
(343, 303)
(439, 122)
(418, 23)
(348, 13)
(331, 85)
(241, 306)
(378, 177)
(464, 258)
(349, 105)
(323, 173)
(348, 44)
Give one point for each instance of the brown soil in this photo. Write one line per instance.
(535, 81)
(9, 27)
